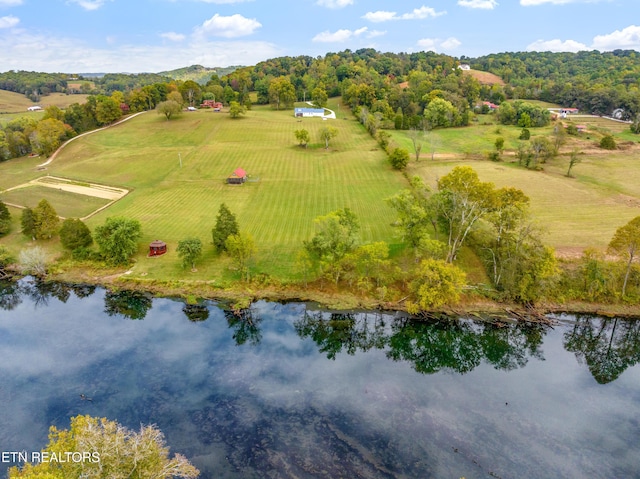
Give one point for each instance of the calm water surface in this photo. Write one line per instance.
(286, 391)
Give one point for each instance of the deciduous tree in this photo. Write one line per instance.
(236, 109)
(327, 133)
(303, 137)
(626, 243)
(169, 109)
(241, 247)
(399, 158)
(434, 284)
(190, 250)
(117, 453)
(118, 239)
(281, 92)
(462, 200)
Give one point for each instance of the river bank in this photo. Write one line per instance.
(241, 295)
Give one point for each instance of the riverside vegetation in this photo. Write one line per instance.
(419, 198)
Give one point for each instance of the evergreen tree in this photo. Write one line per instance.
(27, 223)
(5, 219)
(46, 221)
(226, 225)
(74, 234)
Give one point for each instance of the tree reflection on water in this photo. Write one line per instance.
(430, 346)
(607, 345)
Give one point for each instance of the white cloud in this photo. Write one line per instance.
(89, 5)
(625, 39)
(416, 14)
(450, 43)
(534, 3)
(439, 45)
(9, 21)
(173, 36)
(228, 27)
(34, 52)
(10, 3)
(482, 4)
(376, 33)
(343, 35)
(334, 3)
(556, 46)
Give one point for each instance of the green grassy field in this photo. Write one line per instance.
(288, 185)
(573, 212)
(68, 205)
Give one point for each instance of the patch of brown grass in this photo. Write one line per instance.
(485, 78)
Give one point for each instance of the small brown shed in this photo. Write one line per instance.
(157, 248)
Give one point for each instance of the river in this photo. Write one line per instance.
(288, 390)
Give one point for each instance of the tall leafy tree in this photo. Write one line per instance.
(282, 93)
(236, 109)
(626, 243)
(327, 133)
(118, 239)
(48, 136)
(169, 109)
(462, 200)
(107, 110)
(189, 250)
(226, 225)
(241, 247)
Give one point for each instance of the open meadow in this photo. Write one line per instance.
(176, 171)
(574, 213)
(11, 102)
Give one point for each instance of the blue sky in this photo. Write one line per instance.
(78, 36)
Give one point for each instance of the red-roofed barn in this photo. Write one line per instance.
(238, 177)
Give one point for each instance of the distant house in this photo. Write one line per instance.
(157, 248)
(34, 108)
(216, 105)
(569, 111)
(464, 66)
(308, 112)
(238, 177)
(491, 106)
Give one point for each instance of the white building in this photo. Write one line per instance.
(309, 112)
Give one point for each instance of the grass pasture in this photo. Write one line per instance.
(574, 213)
(288, 185)
(66, 204)
(12, 102)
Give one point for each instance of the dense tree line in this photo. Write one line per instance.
(37, 84)
(594, 82)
